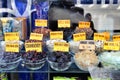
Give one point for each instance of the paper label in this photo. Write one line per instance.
(99, 36)
(61, 46)
(116, 38)
(56, 35)
(63, 23)
(79, 36)
(110, 45)
(36, 36)
(12, 36)
(84, 24)
(35, 46)
(40, 23)
(10, 47)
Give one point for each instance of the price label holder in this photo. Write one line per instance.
(87, 44)
(61, 46)
(111, 45)
(116, 37)
(83, 24)
(10, 47)
(36, 36)
(99, 36)
(35, 46)
(40, 22)
(12, 36)
(79, 36)
(56, 35)
(64, 23)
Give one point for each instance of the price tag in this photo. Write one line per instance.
(56, 35)
(116, 38)
(40, 23)
(79, 36)
(109, 45)
(84, 24)
(36, 46)
(12, 36)
(61, 46)
(63, 23)
(99, 36)
(10, 47)
(89, 45)
(36, 36)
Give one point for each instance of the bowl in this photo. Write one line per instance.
(34, 65)
(59, 66)
(9, 65)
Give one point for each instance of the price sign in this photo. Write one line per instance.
(116, 38)
(79, 36)
(84, 24)
(10, 47)
(99, 36)
(12, 36)
(41, 23)
(36, 46)
(89, 45)
(56, 35)
(36, 36)
(110, 45)
(63, 23)
(61, 46)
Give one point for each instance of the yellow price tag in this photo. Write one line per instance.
(63, 23)
(116, 38)
(99, 36)
(110, 45)
(36, 36)
(41, 23)
(61, 46)
(79, 36)
(12, 36)
(35, 46)
(56, 35)
(84, 24)
(10, 47)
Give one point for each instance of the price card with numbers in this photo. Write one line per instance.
(10, 47)
(79, 36)
(83, 24)
(99, 36)
(36, 36)
(12, 36)
(61, 46)
(64, 23)
(56, 35)
(116, 37)
(40, 22)
(87, 44)
(111, 45)
(35, 46)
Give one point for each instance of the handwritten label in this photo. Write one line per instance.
(110, 45)
(61, 46)
(89, 45)
(63, 23)
(99, 36)
(84, 24)
(56, 35)
(116, 37)
(40, 23)
(35, 46)
(79, 36)
(12, 36)
(36, 36)
(10, 47)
